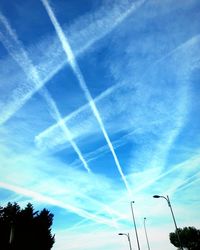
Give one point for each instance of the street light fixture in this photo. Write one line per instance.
(138, 244)
(146, 233)
(169, 204)
(129, 241)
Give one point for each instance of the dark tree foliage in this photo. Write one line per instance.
(25, 229)
(189, 237)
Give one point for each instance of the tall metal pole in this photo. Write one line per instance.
(169, 204)
(129, 241)
(138, 244)
(178, 236)
(146, 234)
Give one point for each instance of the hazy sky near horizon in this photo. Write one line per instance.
(99, 105)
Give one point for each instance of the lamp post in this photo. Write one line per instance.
(146, 233)
(129, 241)
(169, 204)
(138, 244)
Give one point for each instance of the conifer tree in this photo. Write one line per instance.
(25, 229)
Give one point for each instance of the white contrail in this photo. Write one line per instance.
(12, 44)
(24, 61)
(82, 109)
(46, 199)
(63, 126)
(78, 73)
(104, 26)
(194, 41)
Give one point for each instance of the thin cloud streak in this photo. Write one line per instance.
(46, 199)
(25, 63)
(188, 182)
(190, 164)
(78, 73)
(115, 22)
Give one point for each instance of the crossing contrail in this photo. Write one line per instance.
(95, 31)
(19, 54)
(15, 48)
(75, 67)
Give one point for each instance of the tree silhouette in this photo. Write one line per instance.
(189, 236)
(25, 229)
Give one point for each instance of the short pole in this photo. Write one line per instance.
(128, 237)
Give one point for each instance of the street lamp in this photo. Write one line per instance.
(169, 204)
(135, 225)
(129, 241)
(146, 233)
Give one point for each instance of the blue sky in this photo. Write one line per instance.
(99, 105)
